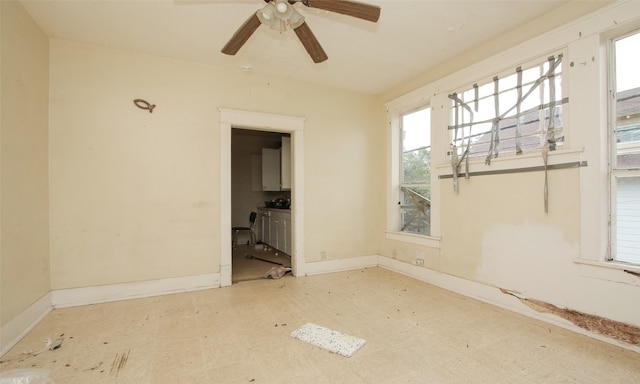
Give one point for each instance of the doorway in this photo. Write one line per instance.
(256, 121)
(260, 189)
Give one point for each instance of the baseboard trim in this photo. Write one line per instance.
(488, 294)
(340, 265)
(19, 326)
(63, 298)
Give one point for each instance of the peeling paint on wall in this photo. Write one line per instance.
(616, 330)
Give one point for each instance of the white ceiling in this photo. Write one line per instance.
(410, 38)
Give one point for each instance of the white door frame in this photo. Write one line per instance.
(233, 118)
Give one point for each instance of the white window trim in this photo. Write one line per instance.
(395, 110)
(595, 241)
(614, 148)
(413, 238)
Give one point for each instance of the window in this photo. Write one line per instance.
(625, 150)
(415, 183)
(517, 112)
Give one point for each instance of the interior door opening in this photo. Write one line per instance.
(260, 204)
(257, 121)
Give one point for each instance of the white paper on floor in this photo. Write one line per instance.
(328, 339)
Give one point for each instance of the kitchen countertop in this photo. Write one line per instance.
(276, 209)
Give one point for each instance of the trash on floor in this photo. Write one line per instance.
(328, 339)
(56, 344)
(46, 347)
(26, 376)
(276, 272)
(250, 256)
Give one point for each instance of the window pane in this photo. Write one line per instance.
(628, 219)
(415, 189)
(626, 153)
(415, 210)
(526, 119)
(628, 102)
(416, 147)
(627, 63)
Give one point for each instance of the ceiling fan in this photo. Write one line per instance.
(281, 14)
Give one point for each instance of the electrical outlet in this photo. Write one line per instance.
(323, 255)
(419, 258)
(394, 254)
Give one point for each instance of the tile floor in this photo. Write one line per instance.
(245, 268)
(415, 333)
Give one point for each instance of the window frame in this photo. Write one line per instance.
(506, 74)
(401, 163)
(395, 110)
(613, 172)
(594, 258)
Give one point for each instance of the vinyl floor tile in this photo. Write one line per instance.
(414, 332)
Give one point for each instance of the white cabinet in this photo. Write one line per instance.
(275, 168)
(274, 229)
(263, 226)
(270, 169)
(281, 231)
(278, 235)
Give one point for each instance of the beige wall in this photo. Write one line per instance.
(567, 13)
(24, 272)
(495, 230)
(135, 195)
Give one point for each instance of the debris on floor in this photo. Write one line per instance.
(26, 376)
(276, 272)
(328, 339)
(46, 348)
(56, 344)
(620, 331)
(250, 256)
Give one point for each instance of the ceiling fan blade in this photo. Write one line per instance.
(310, 43)
(242, 35)
(350, 8)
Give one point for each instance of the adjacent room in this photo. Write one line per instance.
(320, 191)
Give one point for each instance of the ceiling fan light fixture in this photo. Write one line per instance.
(281, 15)
(296, 19)
(265, 15)
(278, 25)
(283, 10)
(282, 7)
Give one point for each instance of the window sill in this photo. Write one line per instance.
(427, 241)
(511, 161)
(609, 270)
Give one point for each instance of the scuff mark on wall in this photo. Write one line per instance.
(616, 330)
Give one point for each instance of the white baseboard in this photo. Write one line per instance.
(488, 294)
(339, 265)
(20, 325)
(62, 298)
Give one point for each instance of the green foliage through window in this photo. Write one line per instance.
(415, 188)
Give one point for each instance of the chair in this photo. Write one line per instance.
(251, 229)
